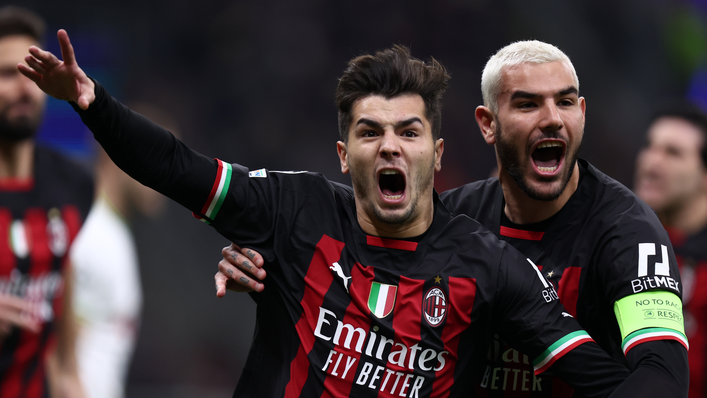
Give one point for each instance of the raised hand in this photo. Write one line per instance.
(62, 80)
(240, 270)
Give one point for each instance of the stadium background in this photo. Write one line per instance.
(253, 81)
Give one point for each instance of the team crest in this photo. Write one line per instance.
(381, 299)
(434, 306)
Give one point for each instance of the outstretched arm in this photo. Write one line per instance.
(144, 150)
(62, 80)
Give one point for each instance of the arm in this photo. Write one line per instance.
(530, 317)
(144, 150)
(654, 345)
(62, 369)
(587, 371)
(658, 369)
(638, 271)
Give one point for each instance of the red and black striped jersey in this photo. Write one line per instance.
(591, 252)
(39, 219)
(691, 253)
(349, 314)
(346, 313)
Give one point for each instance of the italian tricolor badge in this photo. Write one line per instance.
(381, 299)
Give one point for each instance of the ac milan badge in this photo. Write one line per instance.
(434, 306)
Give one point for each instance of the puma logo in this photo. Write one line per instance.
(566, 315)
(345, 279)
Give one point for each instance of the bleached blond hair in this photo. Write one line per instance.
(517, 53)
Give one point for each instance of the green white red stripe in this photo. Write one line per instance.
(559, 349)
(381, 300)
(218, 191)
(653, 334)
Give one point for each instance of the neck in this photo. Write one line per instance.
(522, 209)
(689, 217)
(17, 159)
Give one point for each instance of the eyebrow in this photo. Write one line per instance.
(402, 123)
(528, 95)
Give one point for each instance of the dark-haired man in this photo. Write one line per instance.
(671, 177)
(377, 291)
(44, 199)
(602, 248)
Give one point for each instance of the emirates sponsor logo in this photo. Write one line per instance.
(434, 306)
(39, 290)
(389, 367)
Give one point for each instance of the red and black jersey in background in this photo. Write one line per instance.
(349, 314)
(588, 251)
(691, 253)
(39, 219)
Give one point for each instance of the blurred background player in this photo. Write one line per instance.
(44, 199)
(671, 176)
(107, 293)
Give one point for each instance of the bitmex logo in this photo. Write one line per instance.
(661, 270)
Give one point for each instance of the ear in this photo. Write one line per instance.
(439, 150)
(343, 156)
(583, 107)
(487, 123)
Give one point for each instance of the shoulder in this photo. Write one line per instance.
(471, 239)
(59, 166)
(615, 205)
(472, 198)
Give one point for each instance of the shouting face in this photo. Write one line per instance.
(392, 157)
(539, 126)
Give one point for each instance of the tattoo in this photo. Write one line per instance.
(250, 254)
(246, 264)
(244, 280)
(233, 256)
(230, 273)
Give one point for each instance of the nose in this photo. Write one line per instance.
(26, 85)
(551, 121)
(650, 157)
(390, 147)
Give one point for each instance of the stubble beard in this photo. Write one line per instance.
(20, 129)
(513, 161)
(422, 180)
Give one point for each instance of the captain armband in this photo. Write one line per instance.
(650, 316)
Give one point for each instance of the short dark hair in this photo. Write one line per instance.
(690, 113)
(21, 21)
(391, 73)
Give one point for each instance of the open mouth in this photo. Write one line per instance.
(391, 184)
(547, 157)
